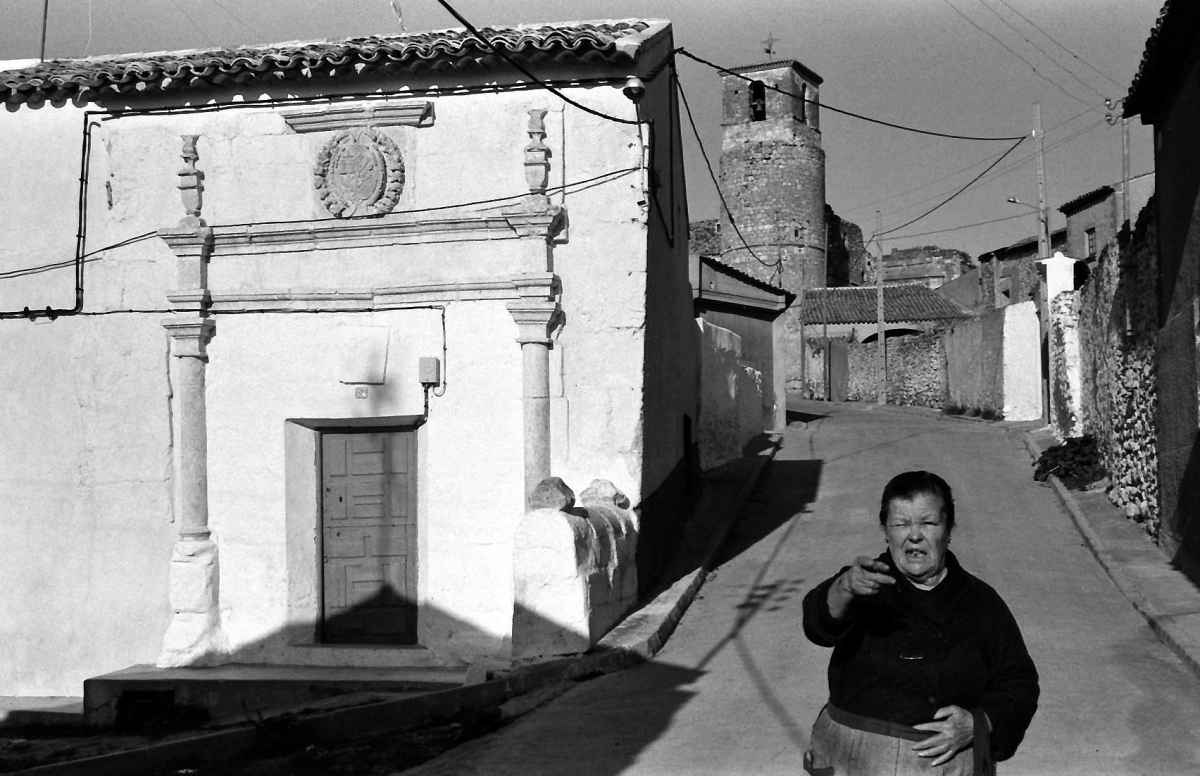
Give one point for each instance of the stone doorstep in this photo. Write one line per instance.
(1162, 594)
(243, 691)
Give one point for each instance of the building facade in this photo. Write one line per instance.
(317, 320)
(1166, 94)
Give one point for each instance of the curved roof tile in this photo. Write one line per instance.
(84, 79)
(856, 304)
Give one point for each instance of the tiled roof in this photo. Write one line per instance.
(750, 280)
(1174, 32)
(856, 304)
(87, 79)
(1058, 238)
(1085, 199)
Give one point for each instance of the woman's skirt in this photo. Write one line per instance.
(871, 747)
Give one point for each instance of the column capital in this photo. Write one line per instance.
(535, 318)
(191, 336)
(537, 218)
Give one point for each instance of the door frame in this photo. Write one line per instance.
(303, 535)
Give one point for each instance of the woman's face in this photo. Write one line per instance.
(917, 536)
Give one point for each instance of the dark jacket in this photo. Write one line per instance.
(904, 653)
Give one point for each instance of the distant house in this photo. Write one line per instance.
(753, 310)
(1008, 274)
(281, 372)
(852, 313)
(1166, 94)
(841, 330)
(1094, 218)
(930, 266)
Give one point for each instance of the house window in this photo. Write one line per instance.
(1089, 243)
(758, 101)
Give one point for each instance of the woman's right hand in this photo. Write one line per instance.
(865, 577)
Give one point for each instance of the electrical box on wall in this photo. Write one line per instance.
(429, 371)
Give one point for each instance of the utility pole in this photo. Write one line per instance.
(1043, 303)
(1111, 119)
(880, 335)
(825, 323)
(1044, 225)
(45, 16)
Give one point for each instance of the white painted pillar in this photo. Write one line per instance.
(194, 636)
(536, 313)
(1066, 369)
(1060, 274)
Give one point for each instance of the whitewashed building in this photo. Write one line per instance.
(290, 332)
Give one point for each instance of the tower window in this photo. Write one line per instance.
(758, 101)
(804, 103)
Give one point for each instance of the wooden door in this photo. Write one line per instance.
(369, 532)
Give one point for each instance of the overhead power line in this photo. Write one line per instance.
(1061, 46)
(1003, 170)
(229, 12)
(574, 187)
(1010, 50)
(961, 226)
(827, 106)
(471, 28)
(1043, 51)
(955, 194)
(972, 165)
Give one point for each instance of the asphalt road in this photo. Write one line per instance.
(737, 687)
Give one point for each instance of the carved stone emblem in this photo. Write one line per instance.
(359, 172)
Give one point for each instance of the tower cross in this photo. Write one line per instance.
(769, 44)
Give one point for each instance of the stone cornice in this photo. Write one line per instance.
(334, 234)
(406, 114)
(365, 299)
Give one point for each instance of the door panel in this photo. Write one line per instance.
(369, 532)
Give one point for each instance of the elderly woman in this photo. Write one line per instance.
(929, 673)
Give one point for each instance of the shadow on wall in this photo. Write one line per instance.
(1185, 523)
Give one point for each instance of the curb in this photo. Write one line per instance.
(1185, 646)
(635, 640)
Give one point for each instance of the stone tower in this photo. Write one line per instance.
(773, 175)
(773, 180)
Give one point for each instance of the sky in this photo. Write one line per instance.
(968, 67)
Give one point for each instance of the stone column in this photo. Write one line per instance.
(194, 636)
(536, 313)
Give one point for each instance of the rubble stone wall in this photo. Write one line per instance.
(916, 370)
(1117, 330)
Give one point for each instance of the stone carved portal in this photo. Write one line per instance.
(359, 172)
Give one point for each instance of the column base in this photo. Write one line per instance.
(194, 637)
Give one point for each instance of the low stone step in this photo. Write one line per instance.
(189, 697)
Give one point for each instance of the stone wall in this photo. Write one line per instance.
(574, 569)
(1117, 329)
(916, 370)
(1066, 411)
(731, 391)
(975, 362)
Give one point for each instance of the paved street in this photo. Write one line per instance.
(737, 687)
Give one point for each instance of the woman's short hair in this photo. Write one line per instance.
(906, 486)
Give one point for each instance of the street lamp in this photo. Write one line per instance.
(1043, 227)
